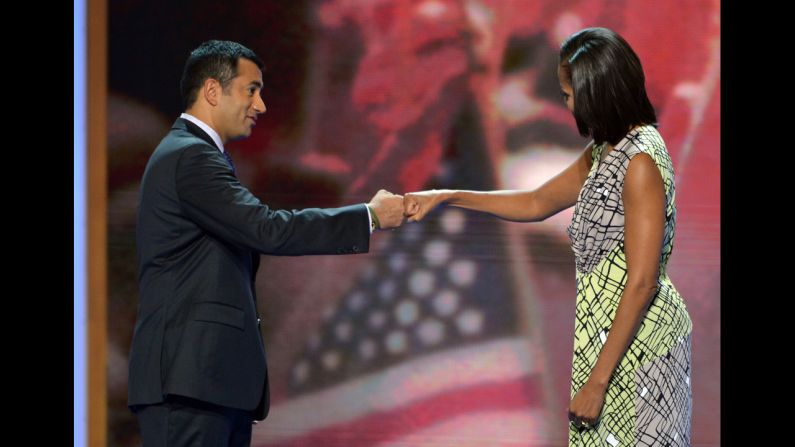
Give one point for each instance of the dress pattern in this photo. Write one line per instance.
(648, 400)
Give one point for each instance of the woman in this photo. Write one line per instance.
(633, 386)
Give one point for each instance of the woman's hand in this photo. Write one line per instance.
(587, 405)
(417, 204)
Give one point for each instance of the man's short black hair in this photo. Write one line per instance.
(216, 59)
(608, 84)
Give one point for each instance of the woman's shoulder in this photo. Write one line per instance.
(646, 139)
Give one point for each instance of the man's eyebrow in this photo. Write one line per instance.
(256, 83)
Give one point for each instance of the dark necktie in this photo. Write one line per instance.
(229, 160)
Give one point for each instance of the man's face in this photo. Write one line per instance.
(240, 104)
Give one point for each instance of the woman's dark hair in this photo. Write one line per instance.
(215, 59)
(608, 84)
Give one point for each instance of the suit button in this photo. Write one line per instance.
(355, 249)
(258, 321)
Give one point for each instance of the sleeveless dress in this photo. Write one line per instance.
(648, 399)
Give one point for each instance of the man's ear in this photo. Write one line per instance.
(211, 91)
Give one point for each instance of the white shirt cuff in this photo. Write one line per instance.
(369, 219)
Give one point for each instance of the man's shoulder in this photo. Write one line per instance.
(174, 146)
(180, 138)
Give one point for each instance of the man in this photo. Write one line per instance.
(197, 363)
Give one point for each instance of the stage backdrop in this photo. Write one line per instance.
(456, 331)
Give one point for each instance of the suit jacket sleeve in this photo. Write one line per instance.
(211, 196)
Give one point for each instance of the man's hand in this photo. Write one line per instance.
(388, 209)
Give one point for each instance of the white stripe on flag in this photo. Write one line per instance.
(489, 362)
(524, 427)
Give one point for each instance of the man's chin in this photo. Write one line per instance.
(245, 134)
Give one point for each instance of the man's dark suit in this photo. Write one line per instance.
(199, 237)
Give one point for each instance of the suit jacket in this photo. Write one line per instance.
(198, 237)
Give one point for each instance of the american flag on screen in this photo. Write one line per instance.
(428, 347)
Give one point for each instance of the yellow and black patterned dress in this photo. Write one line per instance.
(648, 399)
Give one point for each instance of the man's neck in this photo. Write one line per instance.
(210, 129)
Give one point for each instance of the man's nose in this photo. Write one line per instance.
(259, 105)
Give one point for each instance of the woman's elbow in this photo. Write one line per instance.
(645, 289)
